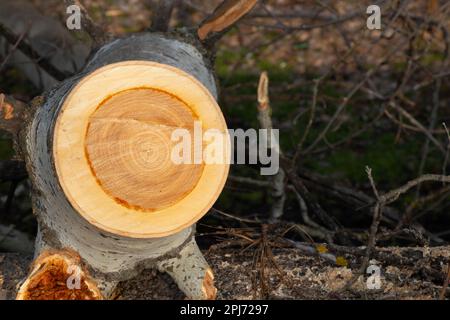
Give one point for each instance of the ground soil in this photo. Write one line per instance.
(406, 273)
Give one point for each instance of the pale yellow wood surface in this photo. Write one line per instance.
(112, 149)
(132, 131)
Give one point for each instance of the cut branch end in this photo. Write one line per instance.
(58, 275)
(208, 288)
(224, 16)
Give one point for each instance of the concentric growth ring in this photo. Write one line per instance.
(113, 144)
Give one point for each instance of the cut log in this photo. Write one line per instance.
(121, 118)
(98, 152)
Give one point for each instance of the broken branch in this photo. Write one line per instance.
(298, 184)
(265, 121)
(12, 114)
(161, 15)
(223, 17)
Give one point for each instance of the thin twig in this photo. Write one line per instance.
(14, 47)
(426, 147)
(447, 153)
(310, 120)
(25, 48)
(377, 215)
(413, 120)
(372, 182)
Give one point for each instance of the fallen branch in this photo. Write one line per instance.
(313, 204)
(393, 195)
(381, 201)
(305, 216)
(25, 48)
(411, 119)
(14, 48)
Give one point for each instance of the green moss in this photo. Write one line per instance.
(391, 163)
(6, 149)
(432, 58)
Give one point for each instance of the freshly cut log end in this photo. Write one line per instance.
(209, 290)
(113, 149)
(58, 275)
(128, 145)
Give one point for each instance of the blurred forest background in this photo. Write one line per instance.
(362, 112)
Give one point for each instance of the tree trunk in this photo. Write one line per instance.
(73, 231)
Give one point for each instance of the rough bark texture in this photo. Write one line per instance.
(110, 258)
(190, 264)
(406, 273)
(159, 48)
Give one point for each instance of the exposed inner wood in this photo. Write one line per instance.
(128, 144)
(209, 290)
(58, 275)
(112, 149)
(225, 15)
(12, 114)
